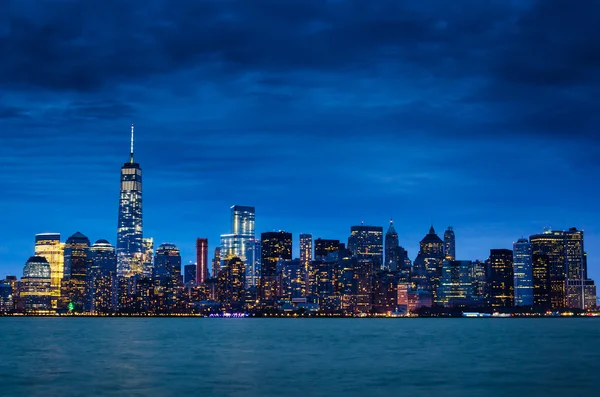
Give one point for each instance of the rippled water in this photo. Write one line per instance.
(298, 357)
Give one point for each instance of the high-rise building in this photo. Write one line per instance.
(523, 274)
(48, 245)
(366, 243)
(147, 256)
(427, 269)
(548, 269)
(306, 256)
(201, 260)
(235, 243)
(216, 262)
(275, 247)
(231, 283)
(102, 278)
(449, 244)
(36, 285)
(168, 280)
(501, 278)
(189, 273)
(391, 244)
(167, 262)
(6, 298)
(75, 285)
(129, 232)
(252, 264)
(456, 284)
(325, 247)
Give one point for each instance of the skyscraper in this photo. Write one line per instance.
(523, 275)
(324, 247)
(427, 270)
(74, 287)
(240, 242)
(449, 244)
(306, 255)
(275, 247)
(36, 285)
(129, 231)
(48, 245)
(168, 280)
(147, 256)
(201, 260)
(549, 269)
(501, 278)
(102, 278)
(456, 283)
(216, 262)
(366, 243)
(391, 244)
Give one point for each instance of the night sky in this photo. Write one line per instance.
(478, 114)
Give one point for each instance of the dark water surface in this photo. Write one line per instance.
(299, 357)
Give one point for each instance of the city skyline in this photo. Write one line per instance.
(482, 118)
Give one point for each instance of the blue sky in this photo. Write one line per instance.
(482, 115)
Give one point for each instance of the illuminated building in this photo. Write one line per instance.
(576, 290)
(456, 284)
(325, 247)
(36, 285)
(385, 292)
(168, 282)
(240, 240)
(501, 278)
(292, 279)
(189, 274)
(231, 283)
(75, 285)
(523, 274)
(252, 264)
(449, 244)
(391, 244)
(479, 277)
(216, 262)
(579, 289)
(102, 278)
(48, 245)
(363, 281)
(548, 269)
(6, 298)
(366, 243)
(275, 247)
(201, 260)
(129, 231)
(306, 256)
(427, 269)
(147, 256)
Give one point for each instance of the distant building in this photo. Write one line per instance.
(147, 256)
(275, 247)
(501, 278)
(523, 274)
(231, 283)
(325, 247)
(129, 230)
(391, 245)
(216, 262)
(75, 285)
(366, 244)
(168, 280)
(306, 256)
(201, 260)
(456, 284)
(48, 245)
(36, 285)
(548, 269)
(102, 278)
(189, 273)
(6, 298)
(427, 267)
(449, 244)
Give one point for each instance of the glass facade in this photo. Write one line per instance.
(391, 244)
(449, 244)
(48, 245)
(501, 278)
(523, 274)
(240, 242)
(36, 290)
(130, 247)
(549, 269)
(366, 243)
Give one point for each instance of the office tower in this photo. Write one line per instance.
(275, 247)
(231, 283)
(449, 244)
(581, 294)
(48, 245)
(129, 231)
(385, 292)
(501, 278)
(36, 285)
(549, 269)
(523, 274)
(580, 291)
(6, 298)
(427, 269)
(102, 278)
(201, 260)
(74, 286)
(168, 281)
(147, 256)
(293, 279)
(479, 277)
(189, 273)
(456, 284)
(216, 262)
(391, 244)
(252, 264)
(325, 247)
(306, 257)
(235, 243)
(366, 243)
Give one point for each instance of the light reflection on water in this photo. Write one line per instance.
(298, 357)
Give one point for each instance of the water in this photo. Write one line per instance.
(298, 357)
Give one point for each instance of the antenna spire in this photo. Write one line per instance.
(131, 151)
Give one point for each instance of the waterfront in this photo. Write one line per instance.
(298, 357)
